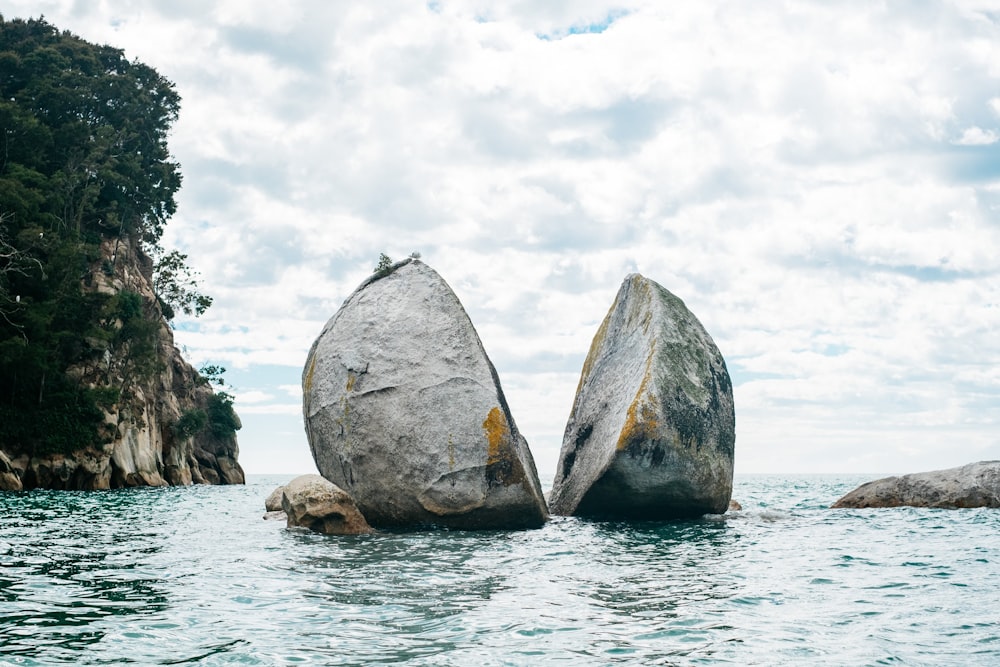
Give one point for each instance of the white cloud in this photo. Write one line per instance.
(977, 136)
(790, 172)
(254, 398)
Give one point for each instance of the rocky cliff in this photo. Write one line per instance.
(161, 423)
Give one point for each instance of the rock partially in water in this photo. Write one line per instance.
(9, 479)
(312, 502)
(652, 429)
(273, 501)
(273, 508)
(404, 410)
(972, 485)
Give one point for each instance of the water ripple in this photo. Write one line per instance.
(193, 576)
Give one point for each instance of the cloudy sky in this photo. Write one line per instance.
(819, 182)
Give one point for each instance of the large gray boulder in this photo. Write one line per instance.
(972, 485)
(652, 429)
(309, 501)
(404, 410)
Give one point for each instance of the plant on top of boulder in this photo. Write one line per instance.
(384, 266)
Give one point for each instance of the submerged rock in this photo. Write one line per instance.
(652, 429)
(404, 410)
(309, 501)
(972, 485)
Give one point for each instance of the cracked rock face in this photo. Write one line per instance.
(652, 430)
(404, 411)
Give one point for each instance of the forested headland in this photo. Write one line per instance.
(87, 186)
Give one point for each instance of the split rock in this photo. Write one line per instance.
(652, 431)
(315, 503)
(972, 485)
(404, 410)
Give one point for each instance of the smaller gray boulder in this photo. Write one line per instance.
(972, 485)
(313, 502)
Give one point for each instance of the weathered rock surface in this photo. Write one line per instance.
(140, 446)
(652, 429)
(972, 485)
(9, 479)
(309, 501)
(273, 502)
(404, 410)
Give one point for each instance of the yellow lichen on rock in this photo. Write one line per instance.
(308, 383)
(497, 436)
(351, 379)
(640, 419)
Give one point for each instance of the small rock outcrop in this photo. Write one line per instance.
(9, 479)
(273, 502)
(309, 501)
(273, 508)
(404, 411)
(972, 485)
(652, 431)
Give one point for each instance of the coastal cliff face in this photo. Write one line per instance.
(158, 428)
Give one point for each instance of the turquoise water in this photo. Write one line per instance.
(194, 576)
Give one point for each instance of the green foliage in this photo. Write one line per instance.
(212, 374)
(222, 419)
(191, 423)
(88, 128)
(384, 266)
(177, 285)
(60, 419)
(129, 306)
(83, 159)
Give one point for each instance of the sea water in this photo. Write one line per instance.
(195, 576)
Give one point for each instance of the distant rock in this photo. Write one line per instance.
(273, 501)
(972, 485)
(652, 429)
(309, 501)
(734, 506)
(404, 410)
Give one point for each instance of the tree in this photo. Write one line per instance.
(177, 286)
(83, 161)
(12, 262)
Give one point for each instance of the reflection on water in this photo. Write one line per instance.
(194, 576)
